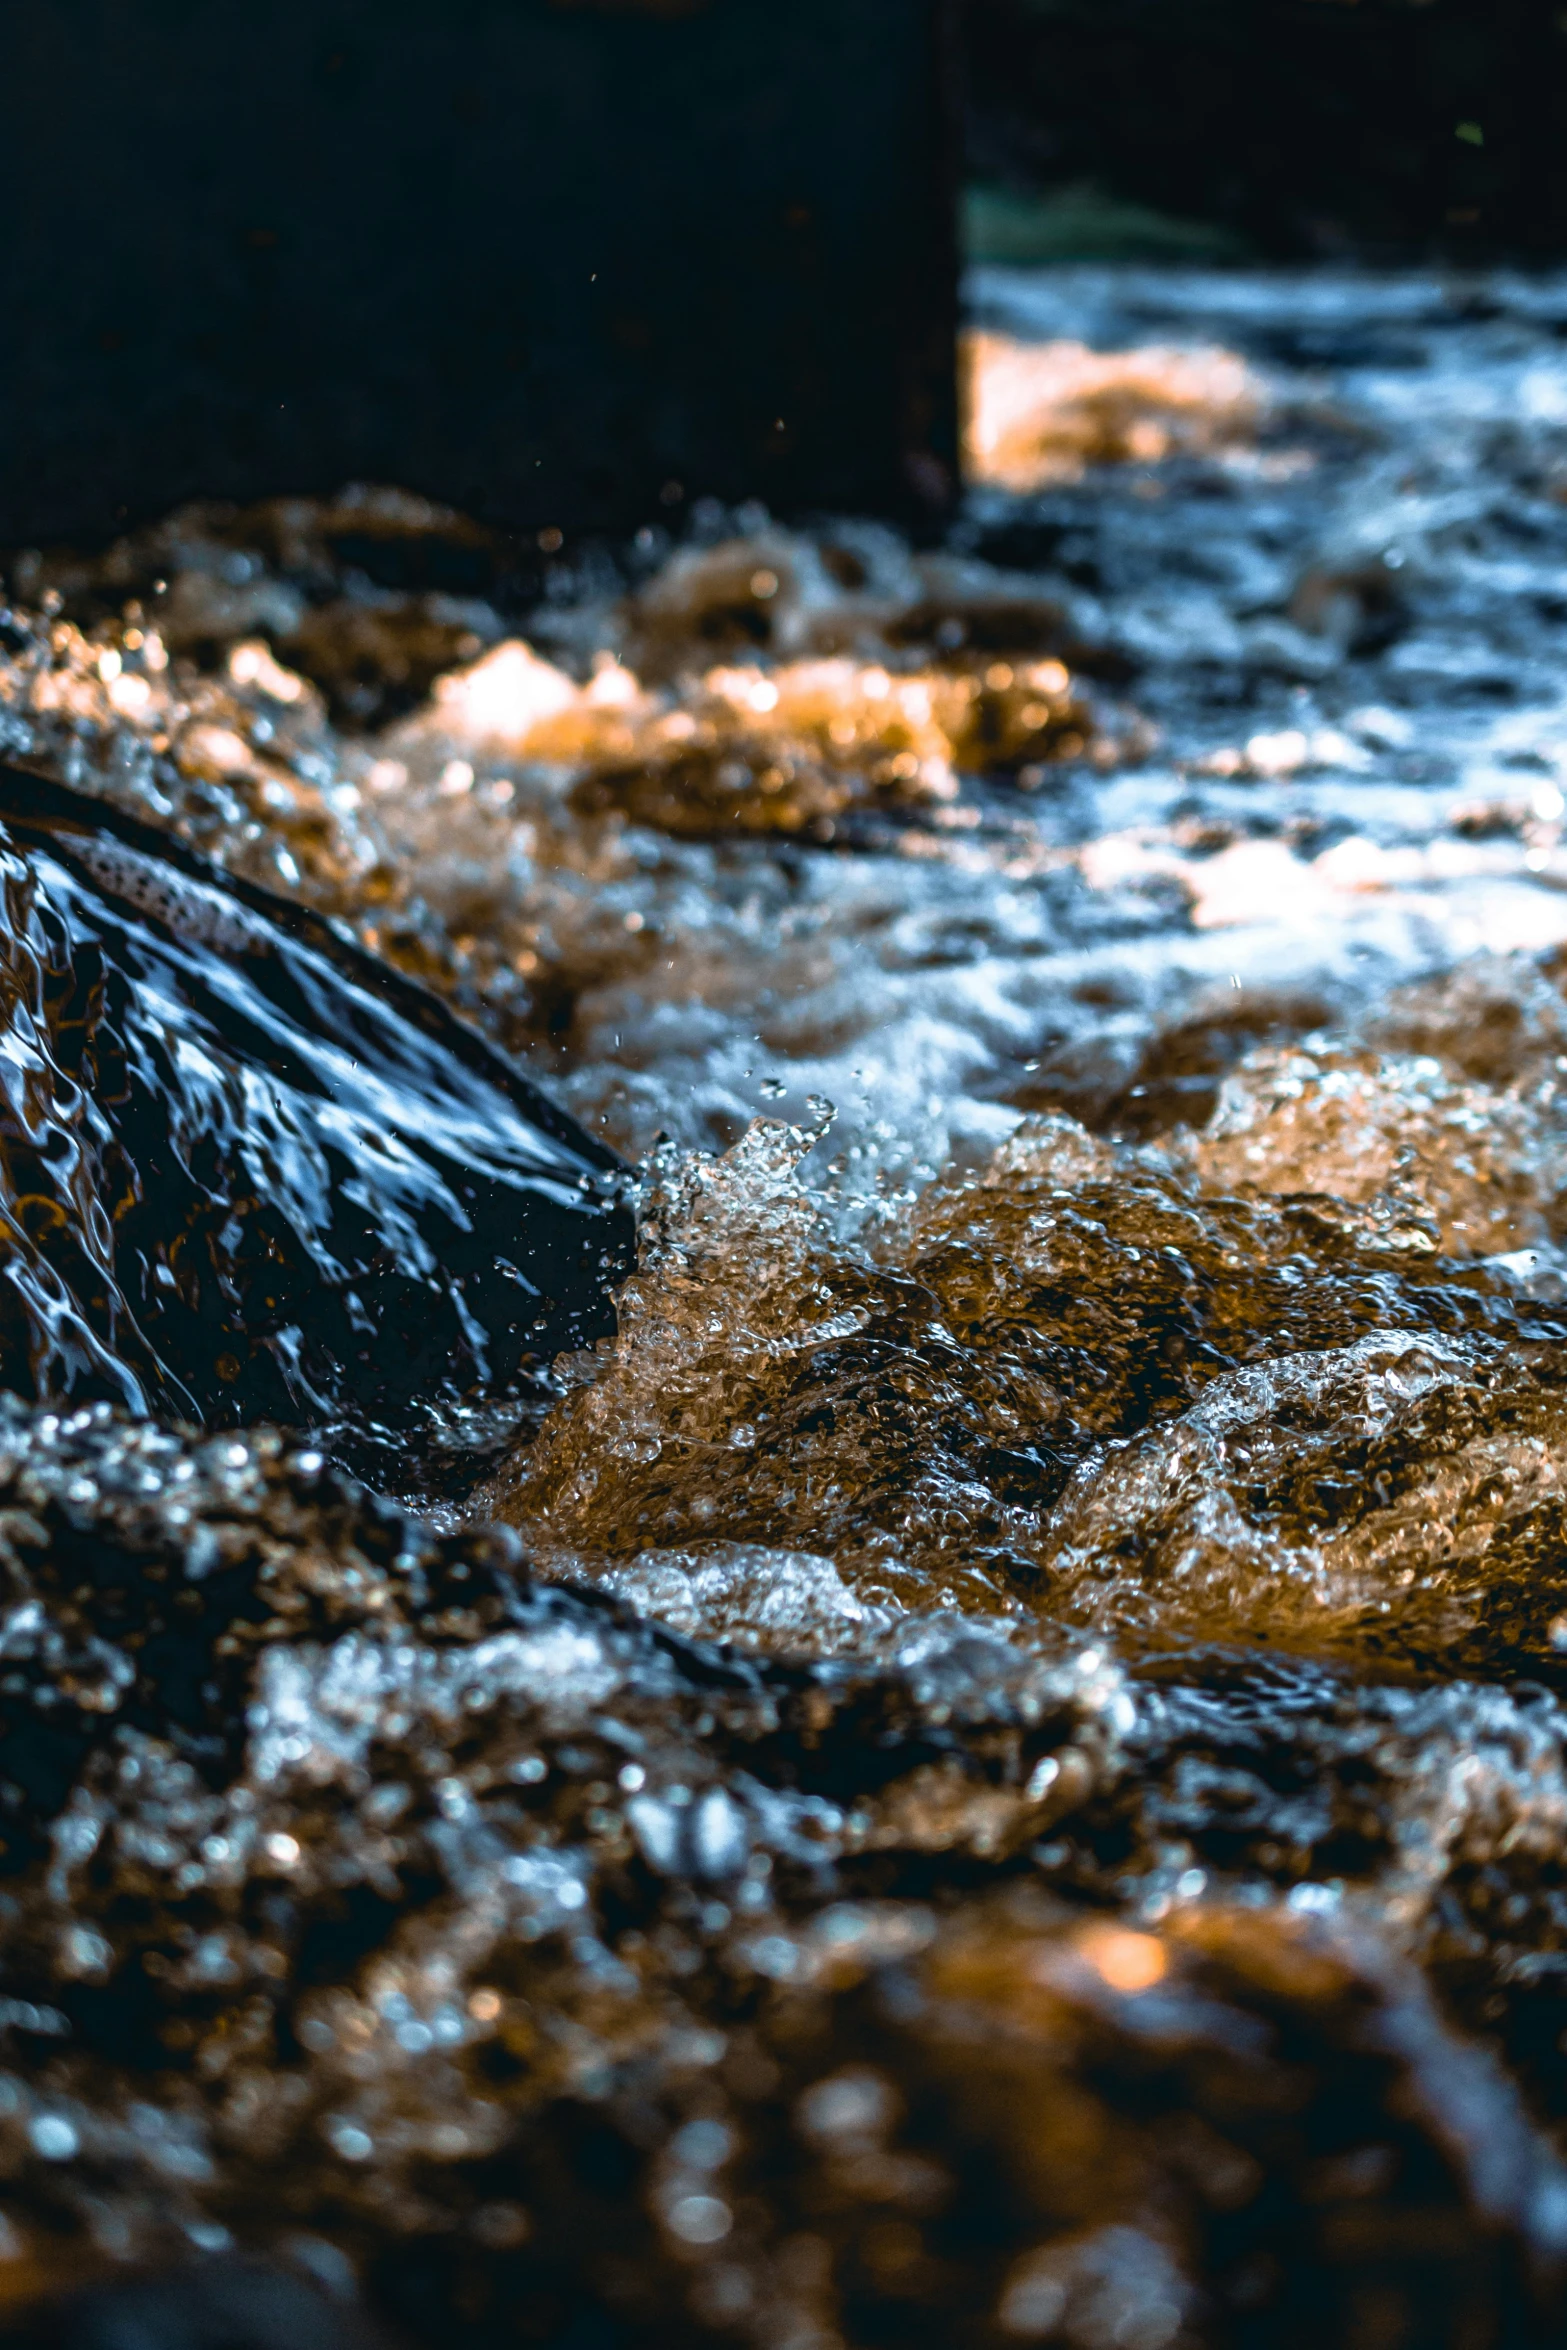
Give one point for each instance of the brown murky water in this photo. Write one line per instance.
(993, 1767)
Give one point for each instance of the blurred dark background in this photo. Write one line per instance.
(558, 263)
(575, 263)
(1385, 130)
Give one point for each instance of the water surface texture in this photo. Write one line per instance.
(995, 1768)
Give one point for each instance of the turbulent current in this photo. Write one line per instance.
(973, 1747)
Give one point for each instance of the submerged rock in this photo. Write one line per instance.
(251, 1174)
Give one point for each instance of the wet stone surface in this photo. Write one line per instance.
(989, 1763)
(250, 1178)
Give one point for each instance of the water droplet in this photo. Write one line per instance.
(700, 2219)
(53, 2137)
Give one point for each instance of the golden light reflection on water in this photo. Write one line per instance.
(1038, 413)
(1127, 1962)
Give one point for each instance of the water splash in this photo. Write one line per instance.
(1006, 1778)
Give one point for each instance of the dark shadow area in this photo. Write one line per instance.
(554, 264)
(1382, 129)
(215, 2305)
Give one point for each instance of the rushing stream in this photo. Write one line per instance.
(984, 1759)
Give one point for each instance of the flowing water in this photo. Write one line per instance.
(991, 1764)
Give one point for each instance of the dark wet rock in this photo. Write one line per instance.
(250, 1174)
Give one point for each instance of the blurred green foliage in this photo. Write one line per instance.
(1084, 223)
